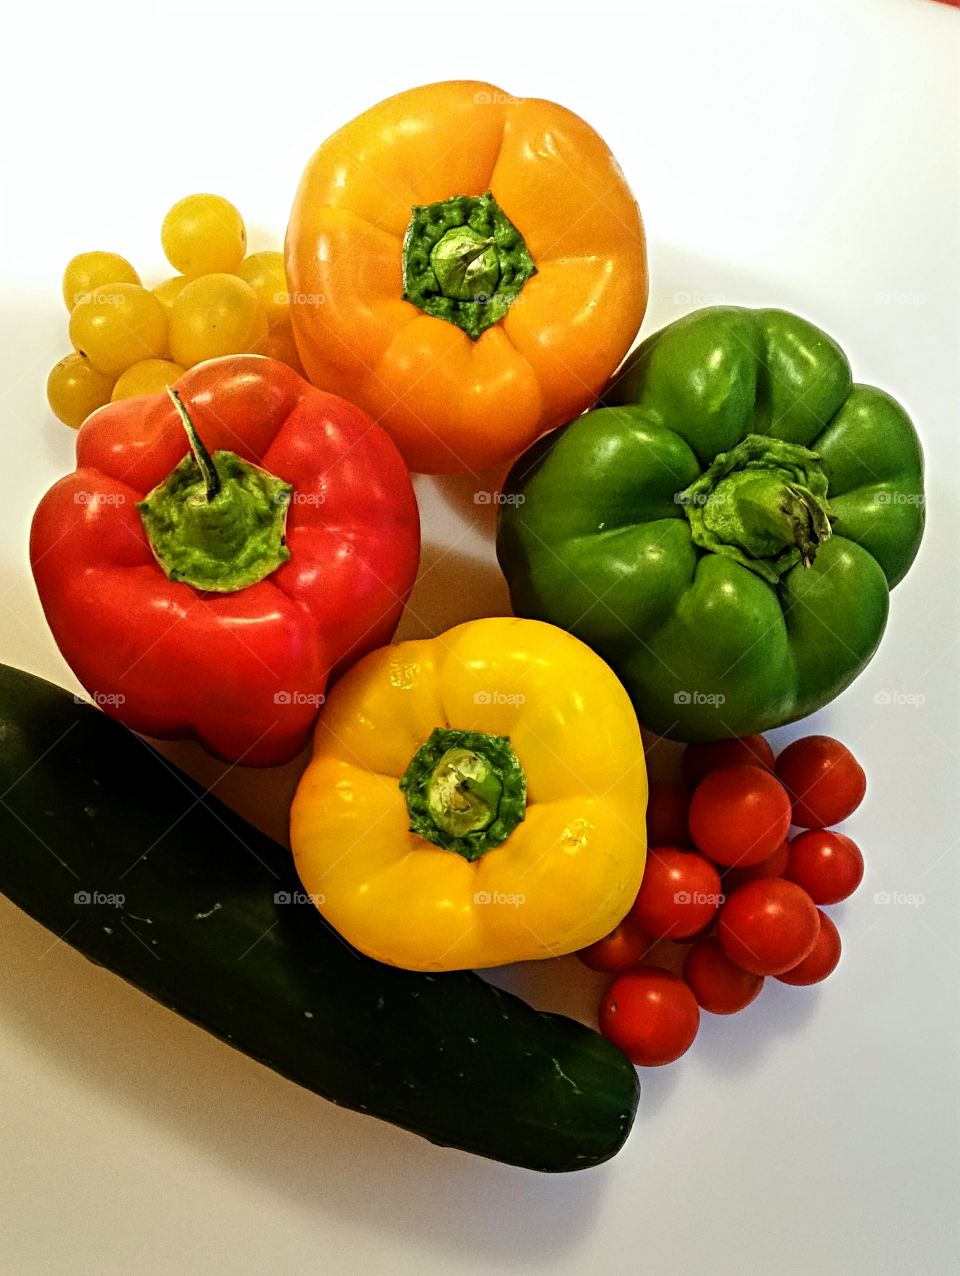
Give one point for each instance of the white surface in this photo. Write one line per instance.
(804, 155)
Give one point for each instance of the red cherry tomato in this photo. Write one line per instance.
(679, 894)
(739, 816)
(768, 926)
(828, 865)
(774, 865)
(624, 947)
(821, 960)
(651, 1015)
(718, 985)
(825, 780)
(700, 759)
(667, 815)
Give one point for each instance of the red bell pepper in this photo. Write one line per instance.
(296, 521)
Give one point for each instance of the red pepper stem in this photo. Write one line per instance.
(202, 457)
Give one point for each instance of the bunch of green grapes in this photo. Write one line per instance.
(129, 340)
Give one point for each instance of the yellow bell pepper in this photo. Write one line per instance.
(474, 799)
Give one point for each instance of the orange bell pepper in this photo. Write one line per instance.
(467, 266)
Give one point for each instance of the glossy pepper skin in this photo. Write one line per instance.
(243, 672)
(452, 402)
(732, 635)
(561, 878)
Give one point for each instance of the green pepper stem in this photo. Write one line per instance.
(204, 460)
(810, 524)
(762, 503)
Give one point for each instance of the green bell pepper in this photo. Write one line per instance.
(726, 530)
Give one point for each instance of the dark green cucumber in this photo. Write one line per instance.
(133, 864)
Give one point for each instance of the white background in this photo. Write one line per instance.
(804, 155)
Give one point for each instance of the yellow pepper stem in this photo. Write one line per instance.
(465, 791)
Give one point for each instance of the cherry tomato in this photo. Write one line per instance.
(168, 291)
(700, 759)
(88, 271)
(117, 325)
(150, 376)
(829, 866)
(75, 389)
(679, 893)
(203, 234)
(821, 960)
(624, 947)
(667, 809)
(265, 274)
(215, 315)
(768, 926)
(651, 1015)
(825, 780)
(718, 985)
(774, 865)
(739, 815)
(279, 344)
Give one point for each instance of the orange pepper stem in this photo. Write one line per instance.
(464, 261)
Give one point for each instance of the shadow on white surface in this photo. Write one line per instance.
(107, 1040)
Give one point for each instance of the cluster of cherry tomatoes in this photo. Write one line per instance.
(130, 340)
(724, 880)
